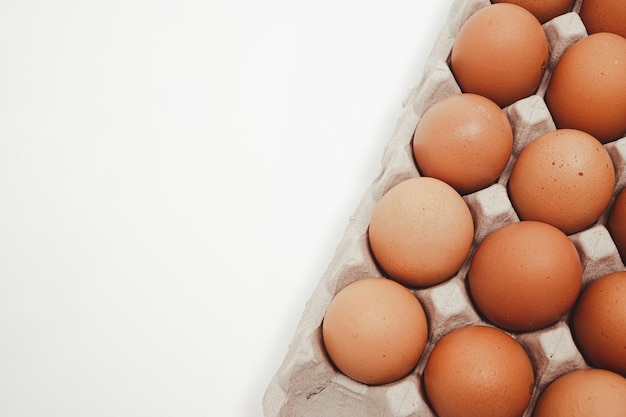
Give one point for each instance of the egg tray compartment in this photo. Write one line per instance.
(307, 384)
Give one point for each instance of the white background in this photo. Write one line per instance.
(174, 179)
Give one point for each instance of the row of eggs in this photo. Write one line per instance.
(522, 277)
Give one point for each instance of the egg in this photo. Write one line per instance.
(544, 10)
(616, 224)
(565, 178)
(500, 52)
(599, 322)
(478, 371)
(375, 330)
(587, 89)
(525, 276)
(464, 140)
(584, 393)
(604, 16)
(421, 232)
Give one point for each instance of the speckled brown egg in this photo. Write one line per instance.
(544, 10)
(375, 330)
(478, 371)
(464, 140)
(501, 53)
(599, 322)
(604, 16)
(565, 178)
(525, 276)
(421, 232)
(584, 393)
(587, 89)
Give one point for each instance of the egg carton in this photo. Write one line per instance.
(307, 384)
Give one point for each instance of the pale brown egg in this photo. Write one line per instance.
(375, 331)
(599, 322)
(544, 10)
(565, 178)
(525, 276)
(464, 140)
(616, 224)
(587, 90)
(584, 393)
(421, 232)
(501, 53)
(604, 16)
(478, 371)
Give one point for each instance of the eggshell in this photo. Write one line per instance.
(599, 322)
(584, 393)
(587, 90)
(604, 16)
(525, 276)
(421, 232)
(543, 10)
(375, 330)
(478, 371)
(501, 53)
(464, 140)
(617, 223)
(565, 178)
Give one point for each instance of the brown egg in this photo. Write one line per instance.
(421, 232)
(525, 276)
(501, 53)
(584, 393)
(543, 10)
(565, 178)
(587, 90)
(604, 16)
(464, 140)
(599, 322)
(375, 331)
(478, 371)
(617, 223)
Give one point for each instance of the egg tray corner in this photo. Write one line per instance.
(307, 384)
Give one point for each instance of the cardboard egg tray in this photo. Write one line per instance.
(306, 384)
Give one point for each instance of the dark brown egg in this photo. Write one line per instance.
(501, 53)
(584, 393)
(525, 276)
(604, 16)
(617, 223)
(599, 322)
(478, 371)
(587, 90)
(544, 10)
